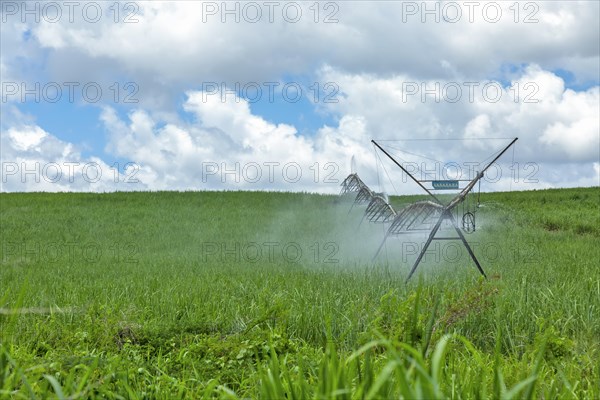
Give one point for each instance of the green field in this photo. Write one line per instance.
(274, 295)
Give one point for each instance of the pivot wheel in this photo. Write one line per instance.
(468, 222)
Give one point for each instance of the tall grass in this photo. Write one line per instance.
(154, 316)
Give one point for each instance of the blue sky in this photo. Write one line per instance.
(366, 61)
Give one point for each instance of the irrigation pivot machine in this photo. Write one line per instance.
(425, 215)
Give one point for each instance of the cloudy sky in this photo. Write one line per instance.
(191, 95)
